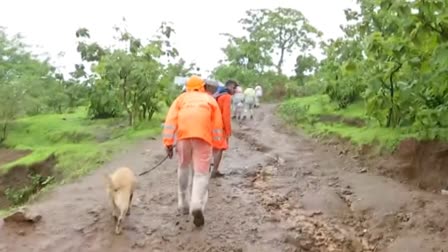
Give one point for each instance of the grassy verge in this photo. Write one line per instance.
(318, 116)
(79, 144)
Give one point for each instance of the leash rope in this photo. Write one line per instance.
(154, 167)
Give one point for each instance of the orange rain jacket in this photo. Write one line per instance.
(194, 114)
(224, 103)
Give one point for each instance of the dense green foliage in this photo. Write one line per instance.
(132, 77)
(393, 56)
(29, 86)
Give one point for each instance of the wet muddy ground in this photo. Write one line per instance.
(281, 192)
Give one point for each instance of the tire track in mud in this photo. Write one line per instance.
(332, 190)
(305, 230)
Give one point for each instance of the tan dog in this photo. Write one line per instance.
(120, 188)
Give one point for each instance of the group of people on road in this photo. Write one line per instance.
(198, 126)
(243, 103)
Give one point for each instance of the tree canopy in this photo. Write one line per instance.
(258, 56)
(132, 77)
(393, 55)
(30, 86)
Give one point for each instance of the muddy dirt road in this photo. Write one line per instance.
(282, 192)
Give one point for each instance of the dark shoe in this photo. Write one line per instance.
(217, 174)
(198, 218)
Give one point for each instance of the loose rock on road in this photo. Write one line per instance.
(282, 192)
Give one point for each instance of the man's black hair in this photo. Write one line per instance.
(230, 82)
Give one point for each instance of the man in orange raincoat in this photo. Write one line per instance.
(195, 119)
(224, 98)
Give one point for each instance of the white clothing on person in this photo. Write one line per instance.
(258, 94)
(238, 104)
(249, 102)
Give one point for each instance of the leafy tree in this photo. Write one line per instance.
(172, 70)
(249, 58)
(131, 77)
(76, 93)
(394, 55)
(180, 68)
(243, 76)
(341, 71)
(305, 65)
(25, 83)
(247, 54)
(280, 31)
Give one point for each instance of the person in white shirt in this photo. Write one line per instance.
(258, 94)
(237, 103)
(249, 102)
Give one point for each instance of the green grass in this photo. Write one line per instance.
(3, 213)
(80, 144)
(305, 112)
(8, 211)
(321, 105)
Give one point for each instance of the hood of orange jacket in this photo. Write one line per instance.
(195, 83)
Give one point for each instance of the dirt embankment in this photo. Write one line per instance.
(423, 164)
(20, 182)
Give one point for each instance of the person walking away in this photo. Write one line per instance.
(224, 99)
(211, 87)
(196, 119)
(249, 102)
(258, 94)
(237, 103)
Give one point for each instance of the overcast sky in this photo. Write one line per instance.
(50, 25)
